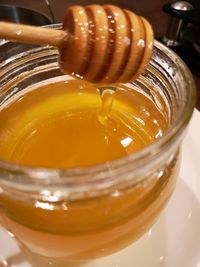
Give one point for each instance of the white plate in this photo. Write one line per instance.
(174, 241)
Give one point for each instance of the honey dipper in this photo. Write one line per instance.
(101, 44)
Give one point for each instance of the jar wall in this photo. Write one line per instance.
(93, 227)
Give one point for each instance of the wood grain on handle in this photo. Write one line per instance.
(101, 44)
(32, 35)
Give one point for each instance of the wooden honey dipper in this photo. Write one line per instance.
(101, 44)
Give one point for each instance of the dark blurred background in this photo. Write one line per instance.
(152, 10)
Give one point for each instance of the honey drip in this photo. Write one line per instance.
(107, 96)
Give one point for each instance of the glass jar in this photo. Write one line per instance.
(90, 212)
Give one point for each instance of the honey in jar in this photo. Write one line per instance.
(66, 124)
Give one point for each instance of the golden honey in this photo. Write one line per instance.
(65, 125)
(69, 124)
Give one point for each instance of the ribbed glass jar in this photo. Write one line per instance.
(90, 212)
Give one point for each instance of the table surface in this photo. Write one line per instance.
(152, 10)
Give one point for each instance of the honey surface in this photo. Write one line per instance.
(63, 124)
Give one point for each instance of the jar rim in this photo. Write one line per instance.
(16, 175)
